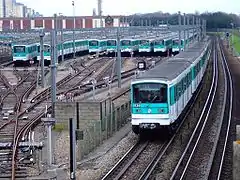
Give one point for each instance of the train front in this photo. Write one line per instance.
(19, 53)
(144, 46)
(111, 45)
(93, 46)
(149, 105)
(126, 45)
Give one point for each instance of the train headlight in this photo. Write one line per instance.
(141, 65)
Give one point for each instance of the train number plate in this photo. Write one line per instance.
(147, 126)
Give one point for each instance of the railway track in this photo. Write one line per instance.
(30, 115)
(81, 74)
(79, 89)
(188, 165)
(130, 161)
(217, 162)
(8, 129)
(34, 111)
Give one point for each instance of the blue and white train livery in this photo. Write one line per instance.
(160, 95)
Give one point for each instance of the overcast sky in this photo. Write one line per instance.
(125, 7)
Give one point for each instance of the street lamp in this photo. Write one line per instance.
(74, 50)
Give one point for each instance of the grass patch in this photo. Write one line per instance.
(236, 42)
(59, 127)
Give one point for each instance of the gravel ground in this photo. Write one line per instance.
(11, 77)
(97, 168)
(62, 151)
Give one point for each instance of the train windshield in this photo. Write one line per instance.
(93, 43)
(46, 48)
(144, 42)
(175, 42)
(159, 42)
(19, 49)
(111, 43)
(150, 93)
(126, 43)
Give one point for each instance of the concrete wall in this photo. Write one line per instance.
(87, 112)
(96, 121)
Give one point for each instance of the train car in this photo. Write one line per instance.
(24, 53)
(81, 45)
(129, 45)
(111, 45)
(46, 52)
(175, 45)
(97, 46)
(160, 95)
(68, 47)
(146, 45)
(162, 45)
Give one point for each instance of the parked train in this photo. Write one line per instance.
(129, 45)
(30, 52)
(161, 94)
(25, 54)
(97, 46)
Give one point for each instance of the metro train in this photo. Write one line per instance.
(162, 45)
(46, 52)
(146, 45)
(175, 45)
(97, 46)
(31, 52)
(160, 95)
(23, 53)
(129, 45)
(111, 45)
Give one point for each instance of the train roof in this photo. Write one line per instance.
(45, 44)
(21, 44)
(167, 70)
(97, 39)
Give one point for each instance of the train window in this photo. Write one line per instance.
(175, 42)
(150, 93)
(46, 48)
(176, 92)
(19, 49)
(144, 42)
(111, 43)
(159, 42)
(185, 83)
(172, 95)
(93, 43)
(182, 42)
(125, 42)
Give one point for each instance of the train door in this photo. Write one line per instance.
(179, 97)
(185, 91)
(173, 105)
(189, 85)
(151, 46)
